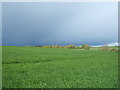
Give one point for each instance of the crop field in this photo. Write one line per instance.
(38, 67)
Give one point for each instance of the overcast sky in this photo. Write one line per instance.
(59, 23)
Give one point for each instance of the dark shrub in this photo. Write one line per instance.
(85, 47)
(114, 50)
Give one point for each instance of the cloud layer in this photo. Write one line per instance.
(59, 23)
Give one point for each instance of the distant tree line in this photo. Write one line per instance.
(106, 48)
(85, 46)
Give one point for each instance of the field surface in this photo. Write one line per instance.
(33, 67)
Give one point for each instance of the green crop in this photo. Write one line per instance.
(33, 67)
